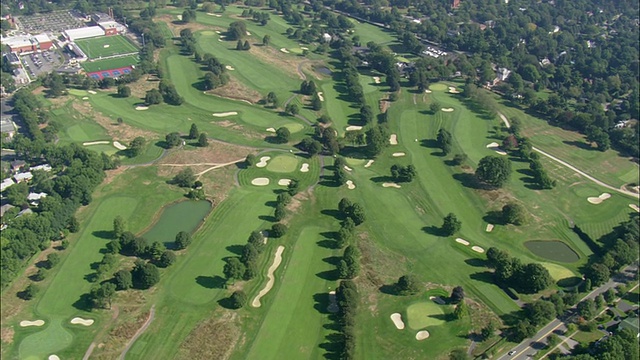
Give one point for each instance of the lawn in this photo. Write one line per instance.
(108, 64)
(425, 313)
(104, 46)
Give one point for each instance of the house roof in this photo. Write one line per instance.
(45, 167)
(4, 208)
(23, 176)
(6, 183)
(36, 196)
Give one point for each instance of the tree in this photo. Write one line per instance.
(457, 295)
(598, 273)
(167, 258)
(292, 109)
(444, 141)
(185, 178)
(293, 187)
(173, 139)
(532, 278)
(522, 330)
(408, 285)
(280, 212)
(487, 331)
(136, 146)
(451, 225)
(277, 230)
(118, 227)
(283, 198)
(250, 160)
(193, 132)
(434, 107)
(316, 103)
(40, 274)
(123, 280)
(587, 309)
(102, 294)
(30, 292)
(237, 30)
(271, 98)
(458, 354)
(609, 295)
(345, 206)
(52, 260)
(246, 45)
(233, 269)
(357, 214)
(265, 40)
(124, 91)
(183, 239)
(366, 114)
(202, 140)
(494, 170)
(540, 311)
(282, 135)
(153, 97)
(459, 159)
(461, 311)
(238, 299)
(514, 213)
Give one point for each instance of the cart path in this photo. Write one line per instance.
(576, 170)
(116, 312)
(138, 333)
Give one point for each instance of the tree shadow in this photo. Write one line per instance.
(388, 289)
(434, 230)
(494, 217)
(443, 317)
(429, 143)
(580, 144)
(330, 275)
(382, 179)
(333, 260)
(268, 218)
(103, 234)
(211, 282)
(321, 302)
(512, 318)
(227, 303)
(334, 213)
(484, 276)
(475, 262)
(468, 180)
(235, 249)
(333, 344)
(83, 303)
(327, 244)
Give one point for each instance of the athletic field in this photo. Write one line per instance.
(107, 64)
(104, 46)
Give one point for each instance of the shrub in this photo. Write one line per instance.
(238, 299)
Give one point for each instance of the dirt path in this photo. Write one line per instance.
(217, 166)
(135, 337)
(576, 170)
(116, 312)
(301, 73)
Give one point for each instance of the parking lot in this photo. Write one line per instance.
(54, 22)
(39, 63)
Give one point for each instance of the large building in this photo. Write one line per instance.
(112, 28)
(24, 44)
(83, 33)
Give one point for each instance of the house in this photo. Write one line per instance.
(20, 177)
(43, 167)
(4, 208)
(34, 198)
(24, 212)
(6, 183)
(17, 165)
(326, 37)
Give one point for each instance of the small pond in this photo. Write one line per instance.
(553, 250)
(182, 216)
(323, 70)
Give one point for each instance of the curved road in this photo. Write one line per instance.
(135, 337)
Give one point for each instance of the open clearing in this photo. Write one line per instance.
(277, 259)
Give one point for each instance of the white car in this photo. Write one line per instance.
(511, 352)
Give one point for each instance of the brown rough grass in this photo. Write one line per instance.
(214, 338)
(235, 89)
(121, 132)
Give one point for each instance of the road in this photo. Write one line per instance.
(528, 347)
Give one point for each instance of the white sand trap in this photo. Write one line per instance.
(81, 321)
(260, 182)
(216, 15)
(492, 145)
(304, 48)
(368, 163)
(393, 139)
(347, 168)
(220, 39)
(91, 92)
(94, 143)
(453, 90)
(447, 109)
(462, 241)
(320, 96)
(272, 130)
(634, 207)
(140, 108)
(119, 146)
(223, 114)
(598, 200)
(284, 50)
(53, 357)
(333, 304)
(263, 161)
(106, 46)
(390, 184)
(217, 31)
(25, 323)
(350, 185)
(428, 91)
(421, 335)
(179, 17)
(229, 67)
(304, 168)
(376, 79)
(477, 249)
(248, 33)
(284, 182)
(489, 228)
(432, 297)
(85, 98)
(500, 152)
(397, 321)
(354, 128)
(604, 196)
(276, 262)
(398, 154)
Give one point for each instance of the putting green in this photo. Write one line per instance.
(423, 314)
(438, 87)
(294, 127)
(77, 92)
(283, 164)
(48, 341)
(208, 33)
(352, 161)
(558, 272)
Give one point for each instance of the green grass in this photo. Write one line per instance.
(182, 216)
(77, 127)
(108, 64)
(95, 48)
(283, 164)
(558, 272)
(424, 314)
(552, 250)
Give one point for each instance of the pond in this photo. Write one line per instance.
(553, 250)
(182, 216)
(323, 70)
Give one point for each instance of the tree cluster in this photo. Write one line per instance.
(169, 93)
(511, 272)
(401, 173)
(494, 170)
(444, 140)
(347, 298)
(349, 265)
(216, 75)
(354, 211)
(308, 87)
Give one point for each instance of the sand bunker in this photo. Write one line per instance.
(350, 185)
(492, 145)
(223, 114)
(453, 90)
(53, 357)
(216, 15)
(393, 139)
(284, 182)
(81, 321)
(276, 262)
(25, 323)
(140, 108)
(229, 67)
(248, 33)
(347, 168)
(85, 98)
(179, 17)
(489, 228)
(119, 146)
(218, 31)
(428, 91)
(634, 207)
(91, 92)
(500, 152)
(304, 168)
(390, 184)
(599, 199)
(376, 79)
(105, 46)
(263, 161)
(398, 154)
(477, 249)
(271, 130)
(320, 96)
(354, 128)
(333, 304)
(462, 241)
(94, 143)
(284, 50)
(421, 335)
(368, 163)
(447, 109)
(397, 321)
(304, 48)
(260, 182)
